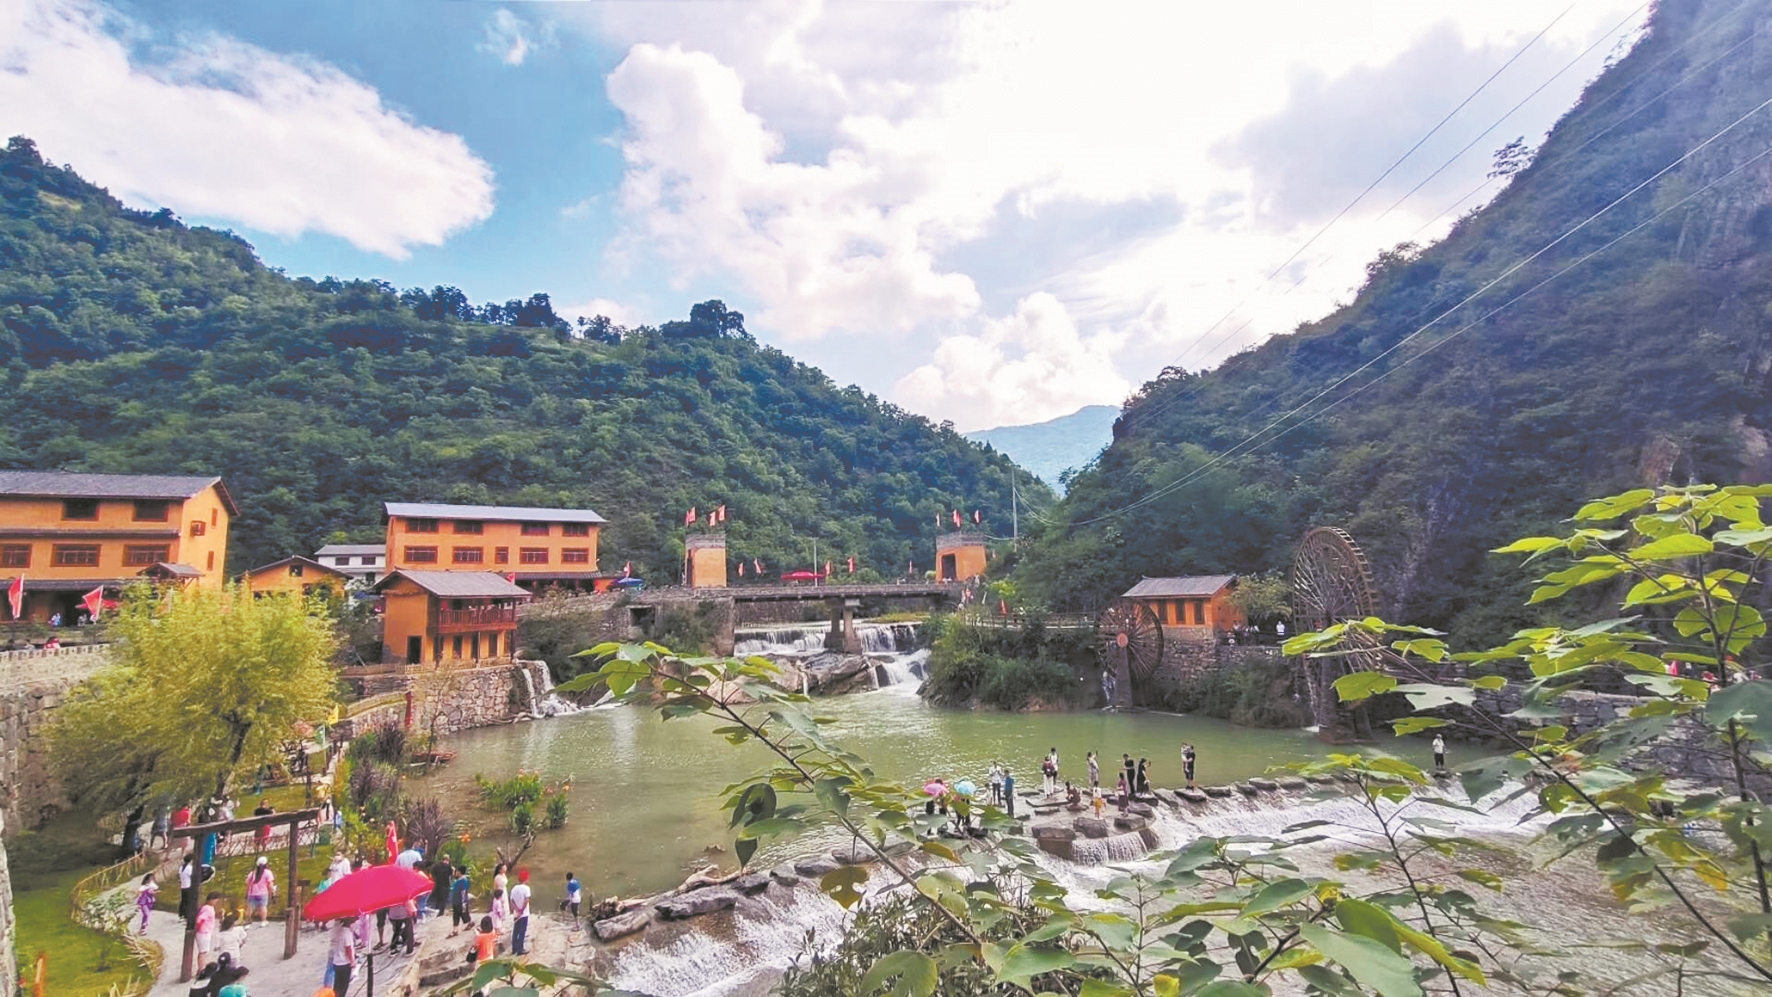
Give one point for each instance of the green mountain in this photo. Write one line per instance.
(1459, 402)
(1055, 446)
(131, 342)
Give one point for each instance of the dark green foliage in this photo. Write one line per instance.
(1254, 695)
(1007, 667)
(1645, 364)
(689, 629)
(130, 342)
(877, 930)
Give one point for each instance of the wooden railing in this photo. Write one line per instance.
(476, 618)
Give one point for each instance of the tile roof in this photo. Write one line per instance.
(495, 513)
(458, 584)
(304, 561)
(1186, 586)
(173, 569)
(79, 484)
(331, 550)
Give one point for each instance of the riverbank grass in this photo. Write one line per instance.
(46, 864)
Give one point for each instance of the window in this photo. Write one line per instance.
(501, 555)
(421, 526)
(470, 526)
(151, 510)
(215, 517)
(575, 555)
(535, 529)
(458, 645)
(575, 529)
(1199, 612)
(211, 561)
(421, 555)
(198, 528)
(135, 556)
(295, 570)
(86, 509)
(467, 555)
(532, 555)
(15, 556)
(75, 556)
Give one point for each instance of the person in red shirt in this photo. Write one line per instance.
(182, 816)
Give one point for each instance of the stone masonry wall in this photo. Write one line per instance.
(445, 701)
(33, 683)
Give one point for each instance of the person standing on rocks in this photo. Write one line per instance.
(520, 913)
(1187, 764)
(1094, 772)
(1131, 775)
(1143, 786)
(1009, 790)
(996, 782)
(1439, 753)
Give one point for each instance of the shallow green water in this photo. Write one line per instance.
(645, 797)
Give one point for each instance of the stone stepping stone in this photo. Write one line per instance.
(1247, 789)
(622, 925)
(1191, 796)
(1265, 785)
(695, 904)
(1293, 783)
(815, 866)
(1320, 780)
(751, 883)
(1221, 792)
(1167, 797)
(785, 875)
(1142, 809)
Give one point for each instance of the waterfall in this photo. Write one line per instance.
(741, 952)
(903, 672)
(1113, 848)
(543, 701)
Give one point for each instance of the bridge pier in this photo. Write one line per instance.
(843, 636)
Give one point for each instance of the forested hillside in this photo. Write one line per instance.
(1646, 363)
(131, 342)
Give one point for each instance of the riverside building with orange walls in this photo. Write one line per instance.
(70, 532)
(536, 548)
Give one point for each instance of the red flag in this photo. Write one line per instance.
(94, 601)
(852, 565)
(827, 569)
(15, 594)
(722, 518)
(689, 517)
(741, 569)
(910, 567)
(756, 566)
(978, 515)
(511, 576)
(627, 569)
(1003, 607)
(956, 519)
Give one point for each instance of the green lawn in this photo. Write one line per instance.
(45, 866)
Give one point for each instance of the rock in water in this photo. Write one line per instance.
(1192, 795)
(785, 875)
(815, 866)
(1220, 792)
(1265, 785)
(755, 882)
(697, 903)
(1091, 827)
(609, 929)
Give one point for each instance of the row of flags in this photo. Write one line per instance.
(94, 601)
(960, 521)
(715, 516)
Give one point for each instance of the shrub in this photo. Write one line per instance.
(558, 809)
(523, 818)
(508, 794)
(1005, 667)
(426, 825)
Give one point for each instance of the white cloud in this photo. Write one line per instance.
(508, 37)
(849, 166)
(615, 311)
(222, 129)
(1027, 367)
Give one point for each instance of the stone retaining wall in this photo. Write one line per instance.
(445, 701)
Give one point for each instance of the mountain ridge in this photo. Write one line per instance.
(1050, 448)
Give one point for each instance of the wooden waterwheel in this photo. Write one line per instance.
(1131, 643)
(1332, 583)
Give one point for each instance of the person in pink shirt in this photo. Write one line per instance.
(261, 884)
(206, 929)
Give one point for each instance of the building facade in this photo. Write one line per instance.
(1197, 601)
(536, 548)
(453, 617)
(362, 563)
(707, 560)
(959, 556)
(68, 533)
(296, 576)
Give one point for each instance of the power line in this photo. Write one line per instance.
(1510, 271)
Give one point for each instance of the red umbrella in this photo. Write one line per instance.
(366, 891)
(801, 576)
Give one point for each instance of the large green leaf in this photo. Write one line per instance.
(1277, 894)
(1370, 920)
(842, 884)
(904, 974)
(1356, 686)
(1749, 704)
(1370, 962)
(1024, 962)
(1672, 547)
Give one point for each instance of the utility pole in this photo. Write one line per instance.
(1014, 514)
(815, 560)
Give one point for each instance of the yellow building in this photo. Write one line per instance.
(68, 533)
(959, 556)
(536, 548)
(454, 616)
(707, 561)
(1202, 601)
(295, 576)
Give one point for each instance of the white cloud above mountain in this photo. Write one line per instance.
(220, 129)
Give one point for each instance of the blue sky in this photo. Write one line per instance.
(990, 212)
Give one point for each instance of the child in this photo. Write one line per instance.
(486, 941)
(206, 928)
(574, 894)
(1098, 803)
(501, 911)
(144, 899)
(235, 988)
(233, 937)
(458, 901)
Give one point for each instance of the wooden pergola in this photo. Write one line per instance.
(222, 829)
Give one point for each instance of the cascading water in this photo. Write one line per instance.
(543, 701)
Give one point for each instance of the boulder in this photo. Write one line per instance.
(697, 903)
(1054, 832)
(1142, 809)
(1090, 827)
(853, 853)
(1191, 796)
(1265, 785)
(1131, 822)
(1293, 783)
(785, 875)
(1320, 780)
(1166, 797)
(755, 882)
(1220, 792)
(815, 866)
(1245, 788)
(621, 925)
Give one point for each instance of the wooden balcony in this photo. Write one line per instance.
(476, 618)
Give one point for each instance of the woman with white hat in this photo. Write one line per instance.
(261, 884)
